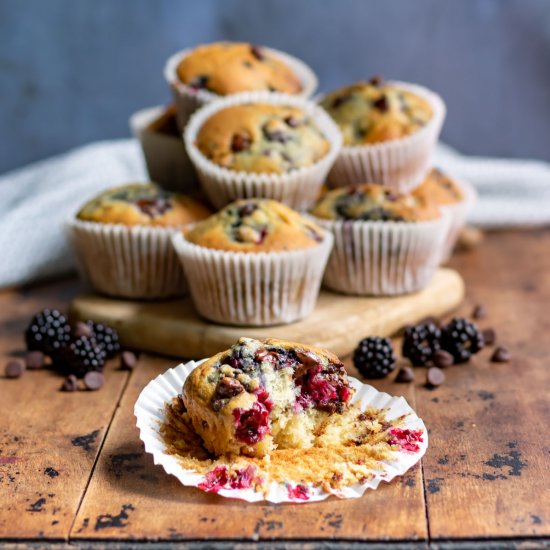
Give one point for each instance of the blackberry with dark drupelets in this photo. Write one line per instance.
(48, 332)
(374, 357)
(462, 339)
(106, 337)
(420, 342)
(81, 356)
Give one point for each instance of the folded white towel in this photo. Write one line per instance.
(35, 201)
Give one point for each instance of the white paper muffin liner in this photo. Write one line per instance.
(400, 164)
(254, 289)
(150, 416)
(299, 188)
(458, 214)
(188, 99)
(167, 160)
(127, 262)
(379, 258)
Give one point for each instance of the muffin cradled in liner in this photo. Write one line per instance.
(259, 396)
(262, 145)
(389, 130)
(122, 240)
(385, 243)
(204, 73)
(256, 262)
(457, 197)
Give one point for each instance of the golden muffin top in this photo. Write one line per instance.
(439, 189)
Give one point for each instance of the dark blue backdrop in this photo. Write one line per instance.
(72, 71)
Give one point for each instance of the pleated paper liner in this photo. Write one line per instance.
(128, 262)
(298, 188)
(400, 164)
(189, 99)
(411, 442)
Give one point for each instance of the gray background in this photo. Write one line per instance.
(72, 71)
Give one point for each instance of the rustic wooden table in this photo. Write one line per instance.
(73, 471)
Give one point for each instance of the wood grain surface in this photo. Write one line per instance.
(338, 322)
(485, 476)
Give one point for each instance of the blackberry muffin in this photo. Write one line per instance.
(386, 243)
(122, 240)
(258, 396)
(261, 138)
(142, 204)
(256, 262)
(389, 130)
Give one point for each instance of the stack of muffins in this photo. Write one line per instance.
(341, 192)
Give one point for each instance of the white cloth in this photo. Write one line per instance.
(36, 201)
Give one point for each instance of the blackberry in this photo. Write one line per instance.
(374, 357)
(106, 337)
(462, 339)
(82, 355)
(420, 342)
(48, 332)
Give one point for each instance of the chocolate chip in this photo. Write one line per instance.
(94, 380)
(70, 383)
(247, 209)
(229, 387)
(307, 358)
(83, 329)
(382, 103)
(489, 336)
(34, 360)
(404, 375)
(479, 312)
(240, 142)
(501, 355)
(292, 121)
(14, 369)
(435, 377)
(442, 359)
(216, 405)
(257, 52)
(276, 135)
(128, 360)
(199, 82)
(376, 80)
(339, 100)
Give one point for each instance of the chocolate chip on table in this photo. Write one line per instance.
(257, 52)
(501, 355)
(404, 375)
(14, 369)
(34, 360)
(70, 383)
(382, 103)
(479, 312)
(83, 329)
(128, 360)
(489, 336)
(442, 359)
(240, 142)
(435, 377)
(94, 380)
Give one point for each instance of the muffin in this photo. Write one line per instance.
(262, 145)
(161, 140)
(199, 75)
(122, 239)
(385, 243)
(258, 396)
(256, 262)
(389, 129)
(457, 198)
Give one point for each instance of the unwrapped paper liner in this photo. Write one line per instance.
(297, 188)
(150, 415)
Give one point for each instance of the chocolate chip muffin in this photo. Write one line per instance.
(372, 202)
(262, 138)
(373, 112)
(142, 204)
(258, 396)
(230, 67)
(256, 225)
(439, 189)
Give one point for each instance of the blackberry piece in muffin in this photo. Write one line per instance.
(230, 67)
(373, 112)
(261, 395)
(262, 138)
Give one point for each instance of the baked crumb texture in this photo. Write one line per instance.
(292, 423)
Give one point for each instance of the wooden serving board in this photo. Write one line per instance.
(338, 322)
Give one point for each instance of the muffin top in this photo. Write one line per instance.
(261, 137)
(256, 225)
(142, 204)
(371, 112)
(230, 67)
(439, 189)
(372, 202)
